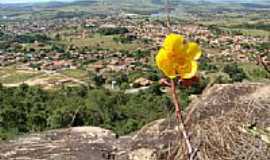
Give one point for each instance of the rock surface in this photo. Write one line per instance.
(227, 122)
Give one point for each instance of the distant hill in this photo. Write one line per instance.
(145, 7)
(44, 5)
(60, 3)
(31, 1)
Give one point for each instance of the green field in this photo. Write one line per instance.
(76, 73)
(10, 75)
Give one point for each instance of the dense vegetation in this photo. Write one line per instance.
(112, 30)
(236, 73)
(28, 109)
(31, 38)
(70, 14)
(124, 39)
(4, 36)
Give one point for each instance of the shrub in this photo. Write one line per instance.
(99, 80)
(236, 73)
(206, 65)
(254, 72)
(223, 78)
(140, 53)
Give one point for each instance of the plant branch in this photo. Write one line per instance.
(179, 118)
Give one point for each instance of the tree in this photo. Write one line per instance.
(25, 109)
(112, 30)
(99, 80)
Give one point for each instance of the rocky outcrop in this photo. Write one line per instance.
(227, 122)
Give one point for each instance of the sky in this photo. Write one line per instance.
(35, 1)
(28, 1)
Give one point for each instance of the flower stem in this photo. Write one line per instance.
(179, 118)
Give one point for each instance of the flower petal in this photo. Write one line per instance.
(189, 70)
(174, 43)
(194, 51)
(177, 58)
(165, 64)
(161, 56)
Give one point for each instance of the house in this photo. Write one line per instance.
(142, 82)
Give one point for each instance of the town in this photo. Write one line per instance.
(83, 45)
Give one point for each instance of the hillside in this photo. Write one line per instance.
(148, 5)
(227, 122)
(92, 80)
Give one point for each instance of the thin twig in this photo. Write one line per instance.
(179, 118)
(74, 116)
(168, 22)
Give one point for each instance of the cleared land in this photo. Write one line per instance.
(11, 77)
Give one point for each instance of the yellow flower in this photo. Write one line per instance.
(177, 58)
